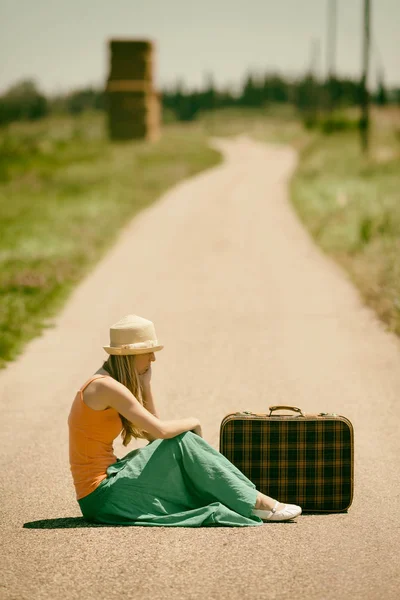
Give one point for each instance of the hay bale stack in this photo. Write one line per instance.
(131, 60)
(134, 106)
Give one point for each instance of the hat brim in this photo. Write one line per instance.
(127, 351)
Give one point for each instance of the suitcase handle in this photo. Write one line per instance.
(272, 408)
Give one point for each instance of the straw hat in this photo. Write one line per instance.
(132, 335)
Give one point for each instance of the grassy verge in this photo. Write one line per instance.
(275, 125)
(351, 206)
(349, 203)
(65, 192)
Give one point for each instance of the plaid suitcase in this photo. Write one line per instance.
(303, 459)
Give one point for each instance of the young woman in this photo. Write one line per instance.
(178, 479)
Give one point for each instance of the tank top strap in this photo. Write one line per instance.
(81, 389)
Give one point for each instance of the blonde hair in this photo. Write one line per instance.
(122, 368)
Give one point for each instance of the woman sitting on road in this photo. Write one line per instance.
(178, 479)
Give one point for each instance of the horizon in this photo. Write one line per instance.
(258, 38)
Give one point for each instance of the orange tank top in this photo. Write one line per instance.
(91, 436)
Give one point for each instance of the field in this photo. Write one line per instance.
(350, 203)
(351, 206)
(66, 191)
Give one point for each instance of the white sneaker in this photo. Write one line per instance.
(290, 511)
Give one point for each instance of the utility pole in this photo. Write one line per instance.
(331, 52)
(364, 119)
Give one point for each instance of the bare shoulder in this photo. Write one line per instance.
(96, 394)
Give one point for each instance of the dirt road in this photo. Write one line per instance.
(251, 314)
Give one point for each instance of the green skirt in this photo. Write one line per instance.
(179, 482)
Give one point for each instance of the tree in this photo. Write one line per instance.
(84, 99)
(253, 92)
(23, 101)
(209, 97)
(381, 95)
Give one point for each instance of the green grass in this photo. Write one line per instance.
(65, 192)
(278, 124)
(349, 203)
(351, 206)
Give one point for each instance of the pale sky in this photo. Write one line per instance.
(62, 44)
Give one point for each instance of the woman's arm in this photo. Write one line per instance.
(148, 400)
(119, 397)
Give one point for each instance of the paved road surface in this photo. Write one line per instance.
(251, 314)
